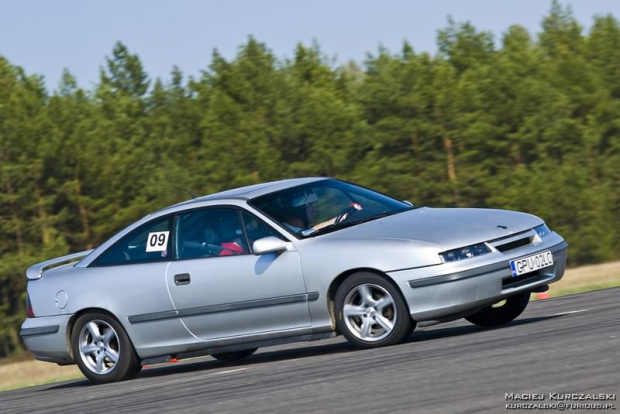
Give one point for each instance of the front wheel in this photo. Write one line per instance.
(102, 349)
(370, 311)
(501, 313)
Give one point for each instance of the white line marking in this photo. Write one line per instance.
(569, 312)
(230, 370)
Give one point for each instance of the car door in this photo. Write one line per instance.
(220, 289)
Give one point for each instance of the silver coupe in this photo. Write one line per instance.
(291, 260)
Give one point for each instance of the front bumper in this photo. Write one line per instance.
(47, 338)
(435, 295)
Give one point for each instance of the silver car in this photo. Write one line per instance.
(292, 260)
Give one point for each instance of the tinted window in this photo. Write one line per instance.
(209, 233)
(150, 242)
(326, 205)
(257, 229)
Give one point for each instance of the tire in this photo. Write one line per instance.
(234, 356)
(102, 349)
(501, 315)
(370, 311)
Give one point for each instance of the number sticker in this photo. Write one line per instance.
(157, 241)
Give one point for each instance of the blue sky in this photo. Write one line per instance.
(44, 37)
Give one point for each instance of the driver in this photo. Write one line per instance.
(300, 212)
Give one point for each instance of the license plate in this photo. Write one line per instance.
(531, 263)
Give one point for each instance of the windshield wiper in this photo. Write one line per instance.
(376, 216)
(332, 227)
(307, 232)
(345, 224)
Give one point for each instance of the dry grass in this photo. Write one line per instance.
(18, 373)
(587, 278)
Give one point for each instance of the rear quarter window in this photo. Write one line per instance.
(150, 242)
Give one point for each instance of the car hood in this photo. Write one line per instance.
(447, 228)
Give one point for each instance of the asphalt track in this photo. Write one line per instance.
(564, 345)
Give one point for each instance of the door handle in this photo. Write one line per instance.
(181, 279)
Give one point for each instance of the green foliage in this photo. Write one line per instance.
(533, 125)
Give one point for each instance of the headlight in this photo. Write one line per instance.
(542, 231)
(465, 252)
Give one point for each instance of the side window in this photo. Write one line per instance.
(257, 229)
(150, 242)
(210, 232)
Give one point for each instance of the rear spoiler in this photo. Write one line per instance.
(35, 272)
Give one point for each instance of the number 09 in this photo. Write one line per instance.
(157, 241)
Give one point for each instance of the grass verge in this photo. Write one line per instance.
(587, 278)
(17, 373)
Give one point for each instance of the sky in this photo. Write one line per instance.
(44, 37)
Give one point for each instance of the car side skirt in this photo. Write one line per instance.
(240, 345)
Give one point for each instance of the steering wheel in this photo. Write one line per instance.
(347, 212)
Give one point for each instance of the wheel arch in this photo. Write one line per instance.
(339, 280)
(84, 311)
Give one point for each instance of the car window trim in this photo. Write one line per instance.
(245, 233)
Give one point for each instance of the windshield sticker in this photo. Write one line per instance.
(157, 241)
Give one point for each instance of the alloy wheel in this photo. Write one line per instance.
(369, 312)
(99, 346)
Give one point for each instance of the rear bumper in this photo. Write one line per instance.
(47, 338)
(432, 295)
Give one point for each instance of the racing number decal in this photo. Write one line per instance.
(157, 241)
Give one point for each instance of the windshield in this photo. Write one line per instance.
(327, 205)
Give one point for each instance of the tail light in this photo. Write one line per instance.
(29, 311)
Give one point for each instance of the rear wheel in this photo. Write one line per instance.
(370, 311)
(234, 356)
(102, 349)
(502, 312)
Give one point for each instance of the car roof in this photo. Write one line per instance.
(252, 191)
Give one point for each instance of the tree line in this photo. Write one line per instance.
(530, 123)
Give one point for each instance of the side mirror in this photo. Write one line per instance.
(269, 244)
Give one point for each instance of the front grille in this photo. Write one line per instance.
(514, 244)
(522, 280)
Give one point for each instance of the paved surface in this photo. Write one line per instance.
(563, 345)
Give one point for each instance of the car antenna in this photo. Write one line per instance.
(192, 195)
